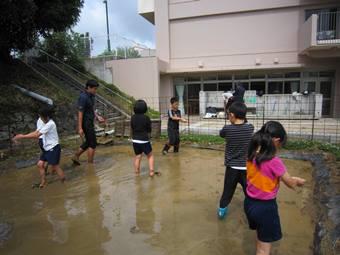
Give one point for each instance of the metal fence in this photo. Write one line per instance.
(301, 115)
(328, 27)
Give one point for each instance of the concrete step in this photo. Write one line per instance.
(113, 114)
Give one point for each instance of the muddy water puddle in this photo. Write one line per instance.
(105, 209)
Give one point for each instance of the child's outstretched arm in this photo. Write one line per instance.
(183, 120)
(291, 181)
(32, 135)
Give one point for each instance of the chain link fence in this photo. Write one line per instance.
(301, 115)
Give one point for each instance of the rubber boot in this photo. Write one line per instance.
(165, 149)
(176, 148)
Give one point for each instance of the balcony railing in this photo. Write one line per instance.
(328, 28)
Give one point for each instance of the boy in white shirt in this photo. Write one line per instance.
(50, 139)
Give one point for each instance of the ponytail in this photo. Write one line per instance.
(262, 147)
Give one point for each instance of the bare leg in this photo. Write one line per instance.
(59, 171)
(151, 164)
(77, 155)
(90, 155)
(263, 248)
(137, 161)
(41, 169)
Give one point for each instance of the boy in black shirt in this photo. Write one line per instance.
(86, 118)
(173, 126)
(141, 129)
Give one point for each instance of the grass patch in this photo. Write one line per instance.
(314, 145)
(200, 139)
(305, 145)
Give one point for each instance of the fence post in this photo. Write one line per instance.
(313, 120)
(188, 123)
(263, 110)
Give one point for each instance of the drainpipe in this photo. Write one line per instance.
(36, 96)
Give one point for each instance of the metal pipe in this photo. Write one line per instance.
(34, 95)
(107, 27)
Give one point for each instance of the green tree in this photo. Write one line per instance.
(23, 21)
(122, 52)
(69, 47)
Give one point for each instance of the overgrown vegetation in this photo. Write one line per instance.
(23, 22)
(70, 47)
(121, 52)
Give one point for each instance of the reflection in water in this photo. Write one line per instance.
(105, 209)
(145, 214)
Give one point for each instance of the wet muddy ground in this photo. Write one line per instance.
(105, 209)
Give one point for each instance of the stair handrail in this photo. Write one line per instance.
(84, 75)
(102, 100)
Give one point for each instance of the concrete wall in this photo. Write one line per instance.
(184, 8)
(137, 77)
(165, 92)
(308, 33)
(162, 30)
(99, 68)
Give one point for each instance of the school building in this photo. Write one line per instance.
(273, 47)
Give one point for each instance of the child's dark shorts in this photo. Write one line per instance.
(263, 216)
(52, 156)
(173, 135)
(141, 148)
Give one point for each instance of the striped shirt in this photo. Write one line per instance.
(237, 139)
(263, 181)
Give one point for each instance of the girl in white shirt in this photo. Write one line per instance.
(50, 139)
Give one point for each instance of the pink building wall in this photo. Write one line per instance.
(138, 77)
(225, 36)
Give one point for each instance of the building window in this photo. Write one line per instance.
(245, 85)
(275, 87)
(275, 75)
(293, 75)
(241, 77)
(193, 78)
(225, 86)
(210, 87)
(309, 86)
(210, 78)
(259, 86)
(225, 77)
(291, 86)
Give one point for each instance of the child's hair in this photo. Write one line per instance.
(239, 110)
(173, 100)
(262, 147)
(46, 112)
(91, 84)
(140, 107)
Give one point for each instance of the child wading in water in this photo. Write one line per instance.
(141, 129)
(50, 142)
(173, 126)
(237, 137)
(265, 170)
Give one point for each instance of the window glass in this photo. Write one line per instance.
(275, 87)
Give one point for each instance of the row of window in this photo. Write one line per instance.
(273, 83)
(254, 76)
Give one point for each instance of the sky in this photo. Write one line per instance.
(124, 21)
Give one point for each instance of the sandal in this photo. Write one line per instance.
(152, 173)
